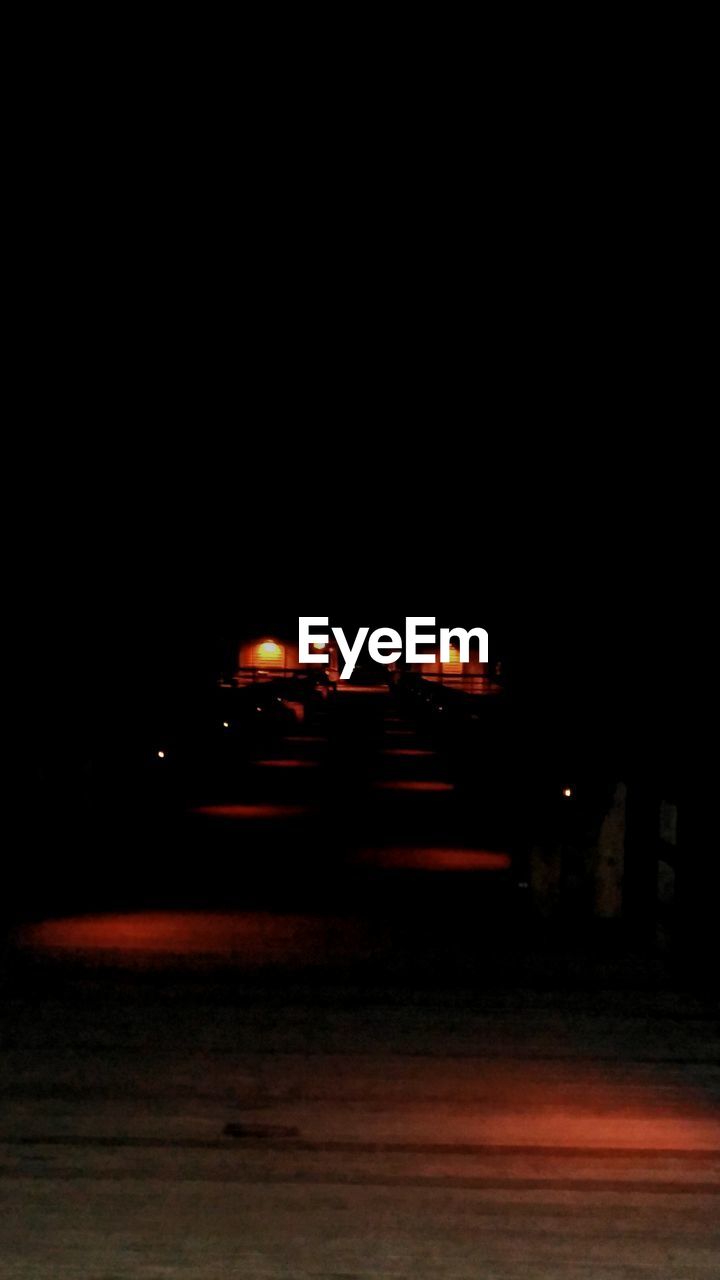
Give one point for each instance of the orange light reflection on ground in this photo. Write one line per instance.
(256, 938)
(408, 859)
(414, 785)
(286, 764)
(241, 811)
(407, 751)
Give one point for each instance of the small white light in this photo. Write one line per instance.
(161, 755)
(567, 792)
(225, 724)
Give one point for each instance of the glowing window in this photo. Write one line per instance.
(268, 653)
(454, 666)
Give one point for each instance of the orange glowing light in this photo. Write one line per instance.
(269, 651)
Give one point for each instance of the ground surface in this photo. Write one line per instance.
(405, 1134)
(360, 1073)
